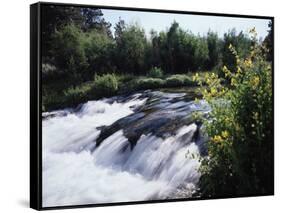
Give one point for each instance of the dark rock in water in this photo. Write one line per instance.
(58, 113)
(162, 115)
(200, 141)
(116, 126)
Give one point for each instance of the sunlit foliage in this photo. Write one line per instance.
(239, 127)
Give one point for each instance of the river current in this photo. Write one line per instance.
(139, 147)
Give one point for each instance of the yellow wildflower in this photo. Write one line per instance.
(213, 91)
(248, 62)
(225, 134)
(239, 70)
(226, 71)
(255, 81)
(217, 139)
(233, 82)
(222, 91)
(238, 60)
(195, 77)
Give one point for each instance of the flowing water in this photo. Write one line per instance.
(140, 147)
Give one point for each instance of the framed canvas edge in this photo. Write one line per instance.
(36, 104)
(35, 109)
(156, 10)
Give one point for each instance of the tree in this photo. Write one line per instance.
(201, 54)
(172, 45)
(56, 17)
(214, 47)
(68, 52)
(119, 29)
(93, 20)
(268, 42)
(153, 50)
(53, 18)
(131, 48)
(99, 50)
(240, 42)
(181, 51)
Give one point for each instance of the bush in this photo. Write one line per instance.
(105, 85)
(155, 72)
(174, 81)
(179, 80)
(240, 130)
(77, 95)
(149, 83)
(188, 82)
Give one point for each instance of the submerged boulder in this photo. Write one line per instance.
(162, 115)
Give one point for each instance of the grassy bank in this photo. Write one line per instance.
(108, 85)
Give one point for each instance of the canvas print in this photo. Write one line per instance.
(153, 106)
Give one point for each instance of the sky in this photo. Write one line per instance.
(197, 24)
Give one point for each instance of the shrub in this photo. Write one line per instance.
(105, 85)
(179, 80)
(240, 130)
(175, 81)
(123, 78)
(77, 95)
(128, 86)
(155, 72)
(149, 83)
(188, 81)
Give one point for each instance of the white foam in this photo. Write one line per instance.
(73, 175)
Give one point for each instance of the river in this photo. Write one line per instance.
(139, 147)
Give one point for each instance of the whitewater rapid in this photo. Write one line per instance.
(76, 171)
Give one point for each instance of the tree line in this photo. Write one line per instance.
(78, 44)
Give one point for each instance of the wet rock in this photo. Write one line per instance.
(162, 115)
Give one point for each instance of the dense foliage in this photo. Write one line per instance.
(78, 45)
(155, 72)
(240, 128)
(105, 85)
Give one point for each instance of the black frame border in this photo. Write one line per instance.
(36, 102)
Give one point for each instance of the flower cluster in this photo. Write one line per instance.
(241, 117)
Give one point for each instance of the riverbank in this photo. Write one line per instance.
(57, 96)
